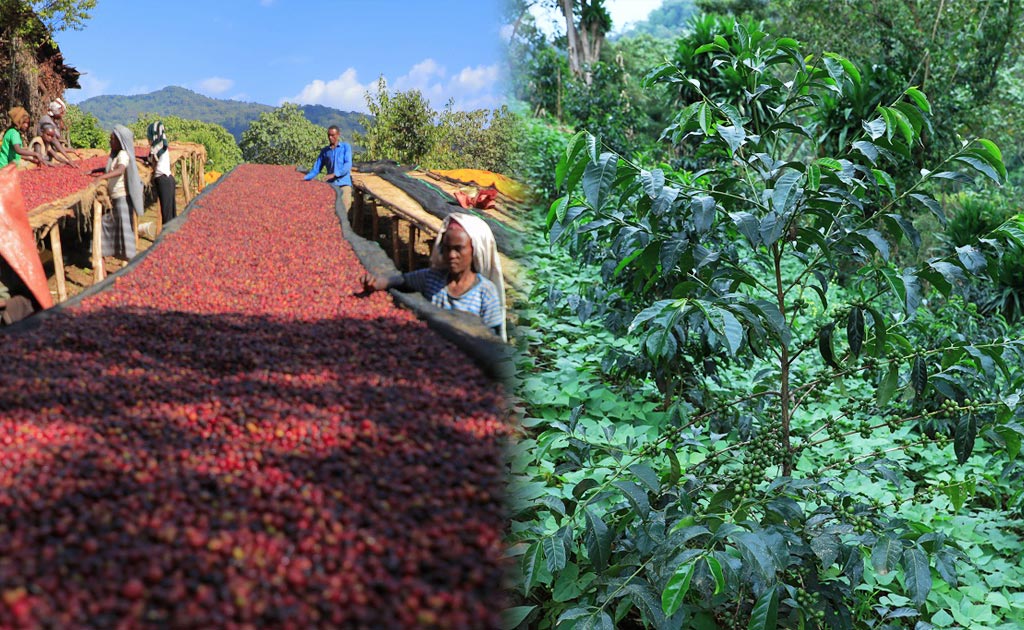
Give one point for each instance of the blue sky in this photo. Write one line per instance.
(272, 51)
(313, 52)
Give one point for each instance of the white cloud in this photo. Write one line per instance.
(420, 76)
(216, 85)
(138, 89)
(469, 88)
(476, 79)
(92, 86)
(345, 92)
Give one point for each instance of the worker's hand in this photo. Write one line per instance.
(372, 283)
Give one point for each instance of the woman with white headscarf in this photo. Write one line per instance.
(464, 273)
(160, 160)
(58, 143)
(125, 188)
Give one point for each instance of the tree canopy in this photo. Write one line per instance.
(222, 154)
(283, 136)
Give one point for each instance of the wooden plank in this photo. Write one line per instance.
(58, 263)
(411, 252)
(375, 235)
(394, 241)
(185, 184)
(97, 242)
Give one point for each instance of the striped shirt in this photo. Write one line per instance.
(480, 300)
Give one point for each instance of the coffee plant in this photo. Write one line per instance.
(767, 298)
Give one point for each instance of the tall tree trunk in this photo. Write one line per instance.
(594, 41)
(572, 36)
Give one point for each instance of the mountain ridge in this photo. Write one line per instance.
(235, 116)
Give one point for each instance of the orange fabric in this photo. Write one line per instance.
(17, 243)
(506, 185)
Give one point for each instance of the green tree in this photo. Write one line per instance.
(957, 50)
(222, 154)
(402, 127)
(283, 136)
(16, 16)
(84, 130)
(483, 139)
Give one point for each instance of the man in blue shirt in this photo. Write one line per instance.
(336, 157)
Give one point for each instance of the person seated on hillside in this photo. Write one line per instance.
(464, 273)
(336, 157)
(47, 144)
(11, 150)
(55, 116)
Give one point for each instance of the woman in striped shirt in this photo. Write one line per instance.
(464, 256)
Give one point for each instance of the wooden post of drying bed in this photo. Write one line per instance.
(376, 234)
(201, 167)
(97, 242)
(185, 183)
(58, 262)
(410, 258)
(394, 240)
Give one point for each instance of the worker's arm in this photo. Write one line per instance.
(319, 164)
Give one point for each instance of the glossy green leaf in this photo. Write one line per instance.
(530, 567)
(647, 476)
(677, 587)
(598, 540)
(887, 386)
(636, 496)
(848, 67)
(765, 614)
(919, 98)
(917, 574)
(733, 136)
(598, 179)
(855, 330)
(919, 375)
(966, 434)
(716, 572)
(825, 345)
(653, 182)
(886, 554)
(512, 617)
(554, 553)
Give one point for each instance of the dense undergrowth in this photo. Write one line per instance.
(587, 427)
(763, 394)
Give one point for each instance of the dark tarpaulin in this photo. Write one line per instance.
(436, 201)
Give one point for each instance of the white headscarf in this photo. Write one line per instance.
(133, 183)
(485, 254)
(57, 107)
